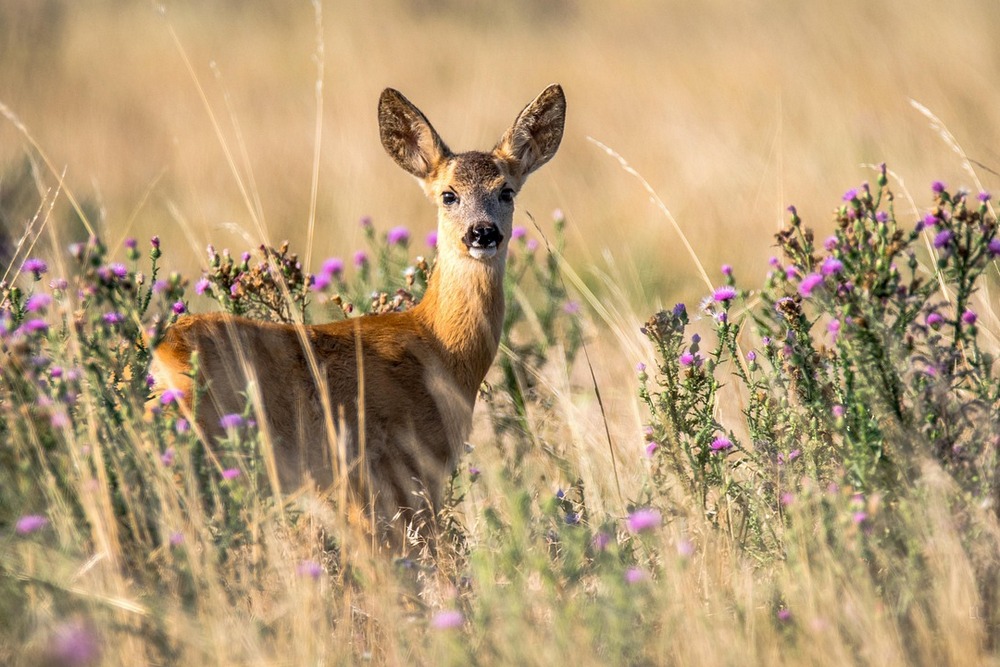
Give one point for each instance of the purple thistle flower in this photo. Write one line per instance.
(365, 221)
(113, 318)
(398, 236)
(809, 283)
(432, 239)
(179, 308)
(35, 266)
(474, 472)
(685, 548)
(784, 615)
(851, 194)
(202, 285)
(449, 619)
(837, 410)
(571, 307)
(969, 317)
(721, 444)
(634, 575)
(160, 286)
(934, 319)
(724, 294)
(35, 326)
(686, 358)
(155, 242)
(994, 247)
(37, 302)
(640, 367)
(557, 215)
(773, 261)
(943, 238)
(518, 232)
(309, 568)
(651, 448)
(73, 644)
(321, 282)
(182, 426)
(171, 396)
(231, 421)
(167, 457)
(787, 498)
(830, 243)
(531, 245)
(984, 197)
(59, 284)
(727, 270)
(30, 523)
(937, 187)
(751, 356)
(360, 258)
(176, 539)
(859, 517)
(230, 473)
(831, 266)
(334, 266)
(118, 270)
(644, 519)
(833, 327)
(881, 216)
(131, 243)
(601, 541)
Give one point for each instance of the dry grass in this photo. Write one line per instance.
(730, 111)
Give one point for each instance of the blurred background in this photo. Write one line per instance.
(730, 110)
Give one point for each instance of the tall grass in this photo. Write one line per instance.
(845, 514)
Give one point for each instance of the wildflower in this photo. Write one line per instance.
(35, 326)
(833, 328)
(687, 359)
(176, 539)
(651, 447)
(518, 233)
(784, 615)
(984, 197)
(360, 258)
(644, 519)
(30, 523)
(35, 266)
(310, 568)
(131, 243)
(160, 286)
(202, 285)
(837, 411)
(859, 517)
(934, 320)
(155, 242)
(365, 222)
(432, 239)
(809, 283)
(37, 302)
(773, 261)
(557, 215)
(794, 454)
(171, 396)
(727, 270)
(751, 356)
(398, 236)
(937, 187)
(59, 284)
(640, 368)
(721, 444)
(321, 282)
(448, 619)
(601, 541)
(73, 644)
(118, 270)
(685, 548)
(943, 238)
(969, 317)
(474, 472)
(178, 307)
(634, 575)
(113, 318)
(881, 216)
(231, 421)
(787, 499)
(724, 294)
(831, 266)
(230, 473)
(571, 307)
(994, 247)
(851, 194)
(333, 266)
(182, 426)
(167, 457)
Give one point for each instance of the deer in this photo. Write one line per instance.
(397, 390)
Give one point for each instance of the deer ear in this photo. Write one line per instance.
(408, 136)
(534, 137)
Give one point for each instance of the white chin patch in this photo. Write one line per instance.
(482, 253)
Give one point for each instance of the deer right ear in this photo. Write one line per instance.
(534, 137)
(408, 136)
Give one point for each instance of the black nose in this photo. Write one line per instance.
(483, 235)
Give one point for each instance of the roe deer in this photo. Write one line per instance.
(398, 388)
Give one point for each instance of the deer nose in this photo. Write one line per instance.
(483, 235)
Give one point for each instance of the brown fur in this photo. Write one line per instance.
(421, 369)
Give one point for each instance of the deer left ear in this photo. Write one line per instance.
(535, 136)
(408, 136)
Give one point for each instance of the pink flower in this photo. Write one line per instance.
(171, 396)
(969, 317)
(518, 233)
(643, 519)
(230, 473)
(449, 619)
(167, 457)
(398, 236)
(634, 575)
(310, 568)
(37, 302)
(831, 266)
(724, 294)
(432, 239)
(333, 266)
(809, 283)
(721, 444)
(35, 266)
(30, 523)
(651, 449)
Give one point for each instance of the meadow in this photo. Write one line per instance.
(745, 407)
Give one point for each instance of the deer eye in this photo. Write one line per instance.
(448, 198)
(506, 195)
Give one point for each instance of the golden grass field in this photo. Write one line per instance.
(209, 123)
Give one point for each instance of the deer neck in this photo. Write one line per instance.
(463, 308)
